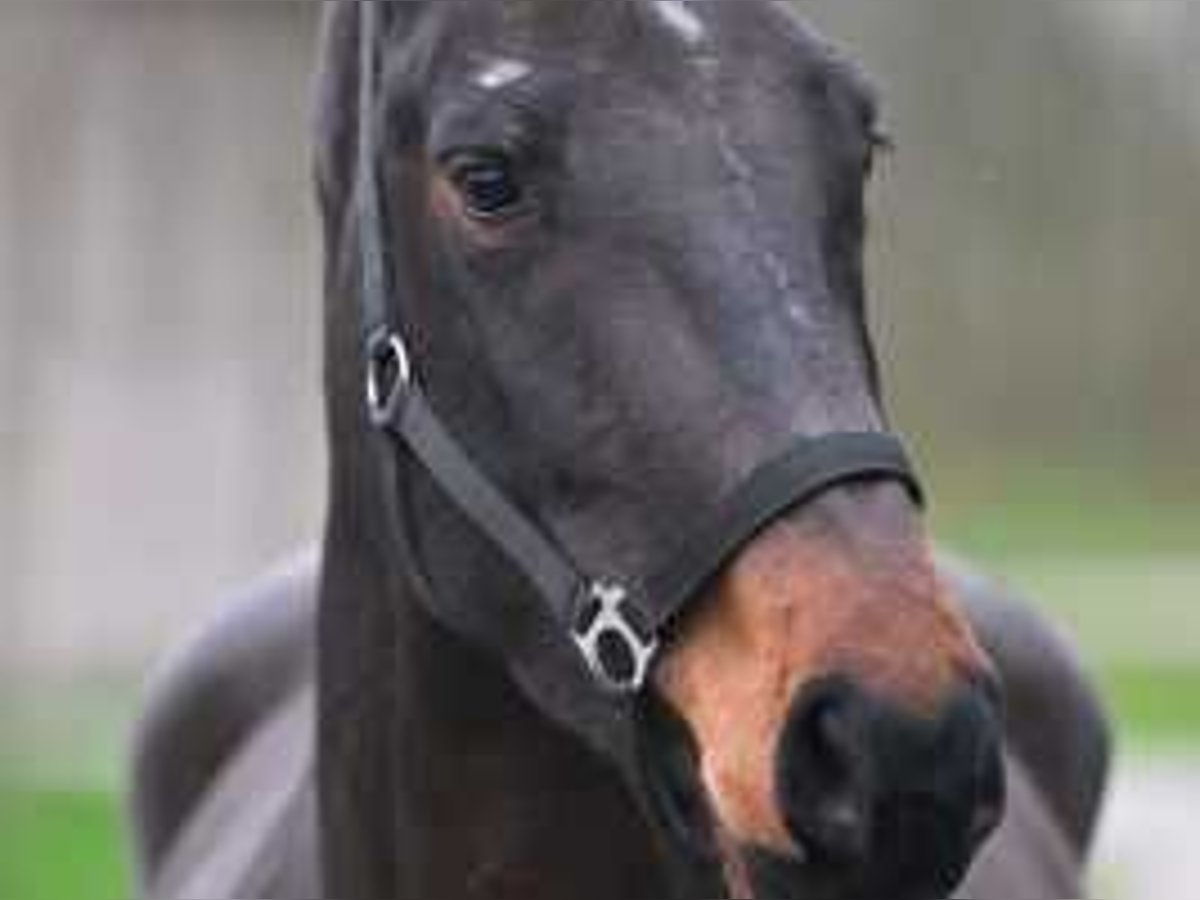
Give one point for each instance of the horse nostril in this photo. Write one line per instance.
(824, 779)
(858, 777)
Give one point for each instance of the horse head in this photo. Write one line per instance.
(626, 243)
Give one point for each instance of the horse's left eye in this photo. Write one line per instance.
(490, 188)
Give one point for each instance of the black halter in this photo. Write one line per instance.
(616, 632)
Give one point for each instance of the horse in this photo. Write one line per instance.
(595, 304)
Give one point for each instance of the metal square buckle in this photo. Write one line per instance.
(615, 651)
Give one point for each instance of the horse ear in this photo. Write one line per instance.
(336, 100)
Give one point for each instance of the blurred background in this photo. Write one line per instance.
(1036, 289)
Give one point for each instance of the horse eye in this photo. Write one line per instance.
(489, 186)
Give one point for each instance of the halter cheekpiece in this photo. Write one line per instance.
(617, 634)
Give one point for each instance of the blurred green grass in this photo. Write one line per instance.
(1154, 704)
(999, 512)
(61, 845)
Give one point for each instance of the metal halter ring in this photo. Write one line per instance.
(612, 646)
(389, 376)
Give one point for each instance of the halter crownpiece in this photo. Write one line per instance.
(617, 633)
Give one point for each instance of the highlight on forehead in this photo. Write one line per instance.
(681, 19)
(501, 73)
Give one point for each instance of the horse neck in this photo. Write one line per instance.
(437, 777)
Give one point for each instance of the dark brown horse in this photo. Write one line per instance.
(624, 241)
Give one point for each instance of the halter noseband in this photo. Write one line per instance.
(616, 633)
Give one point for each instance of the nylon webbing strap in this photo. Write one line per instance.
(616, 634)
(558, 582)
(808, 469)
(372, 268)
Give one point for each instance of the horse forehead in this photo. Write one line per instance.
(582, 27)
(509, 41)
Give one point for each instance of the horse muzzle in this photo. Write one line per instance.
(845, 728)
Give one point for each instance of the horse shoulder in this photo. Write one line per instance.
(1030, 856)
(1057, 726)
(211, 697)
(254, 832)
